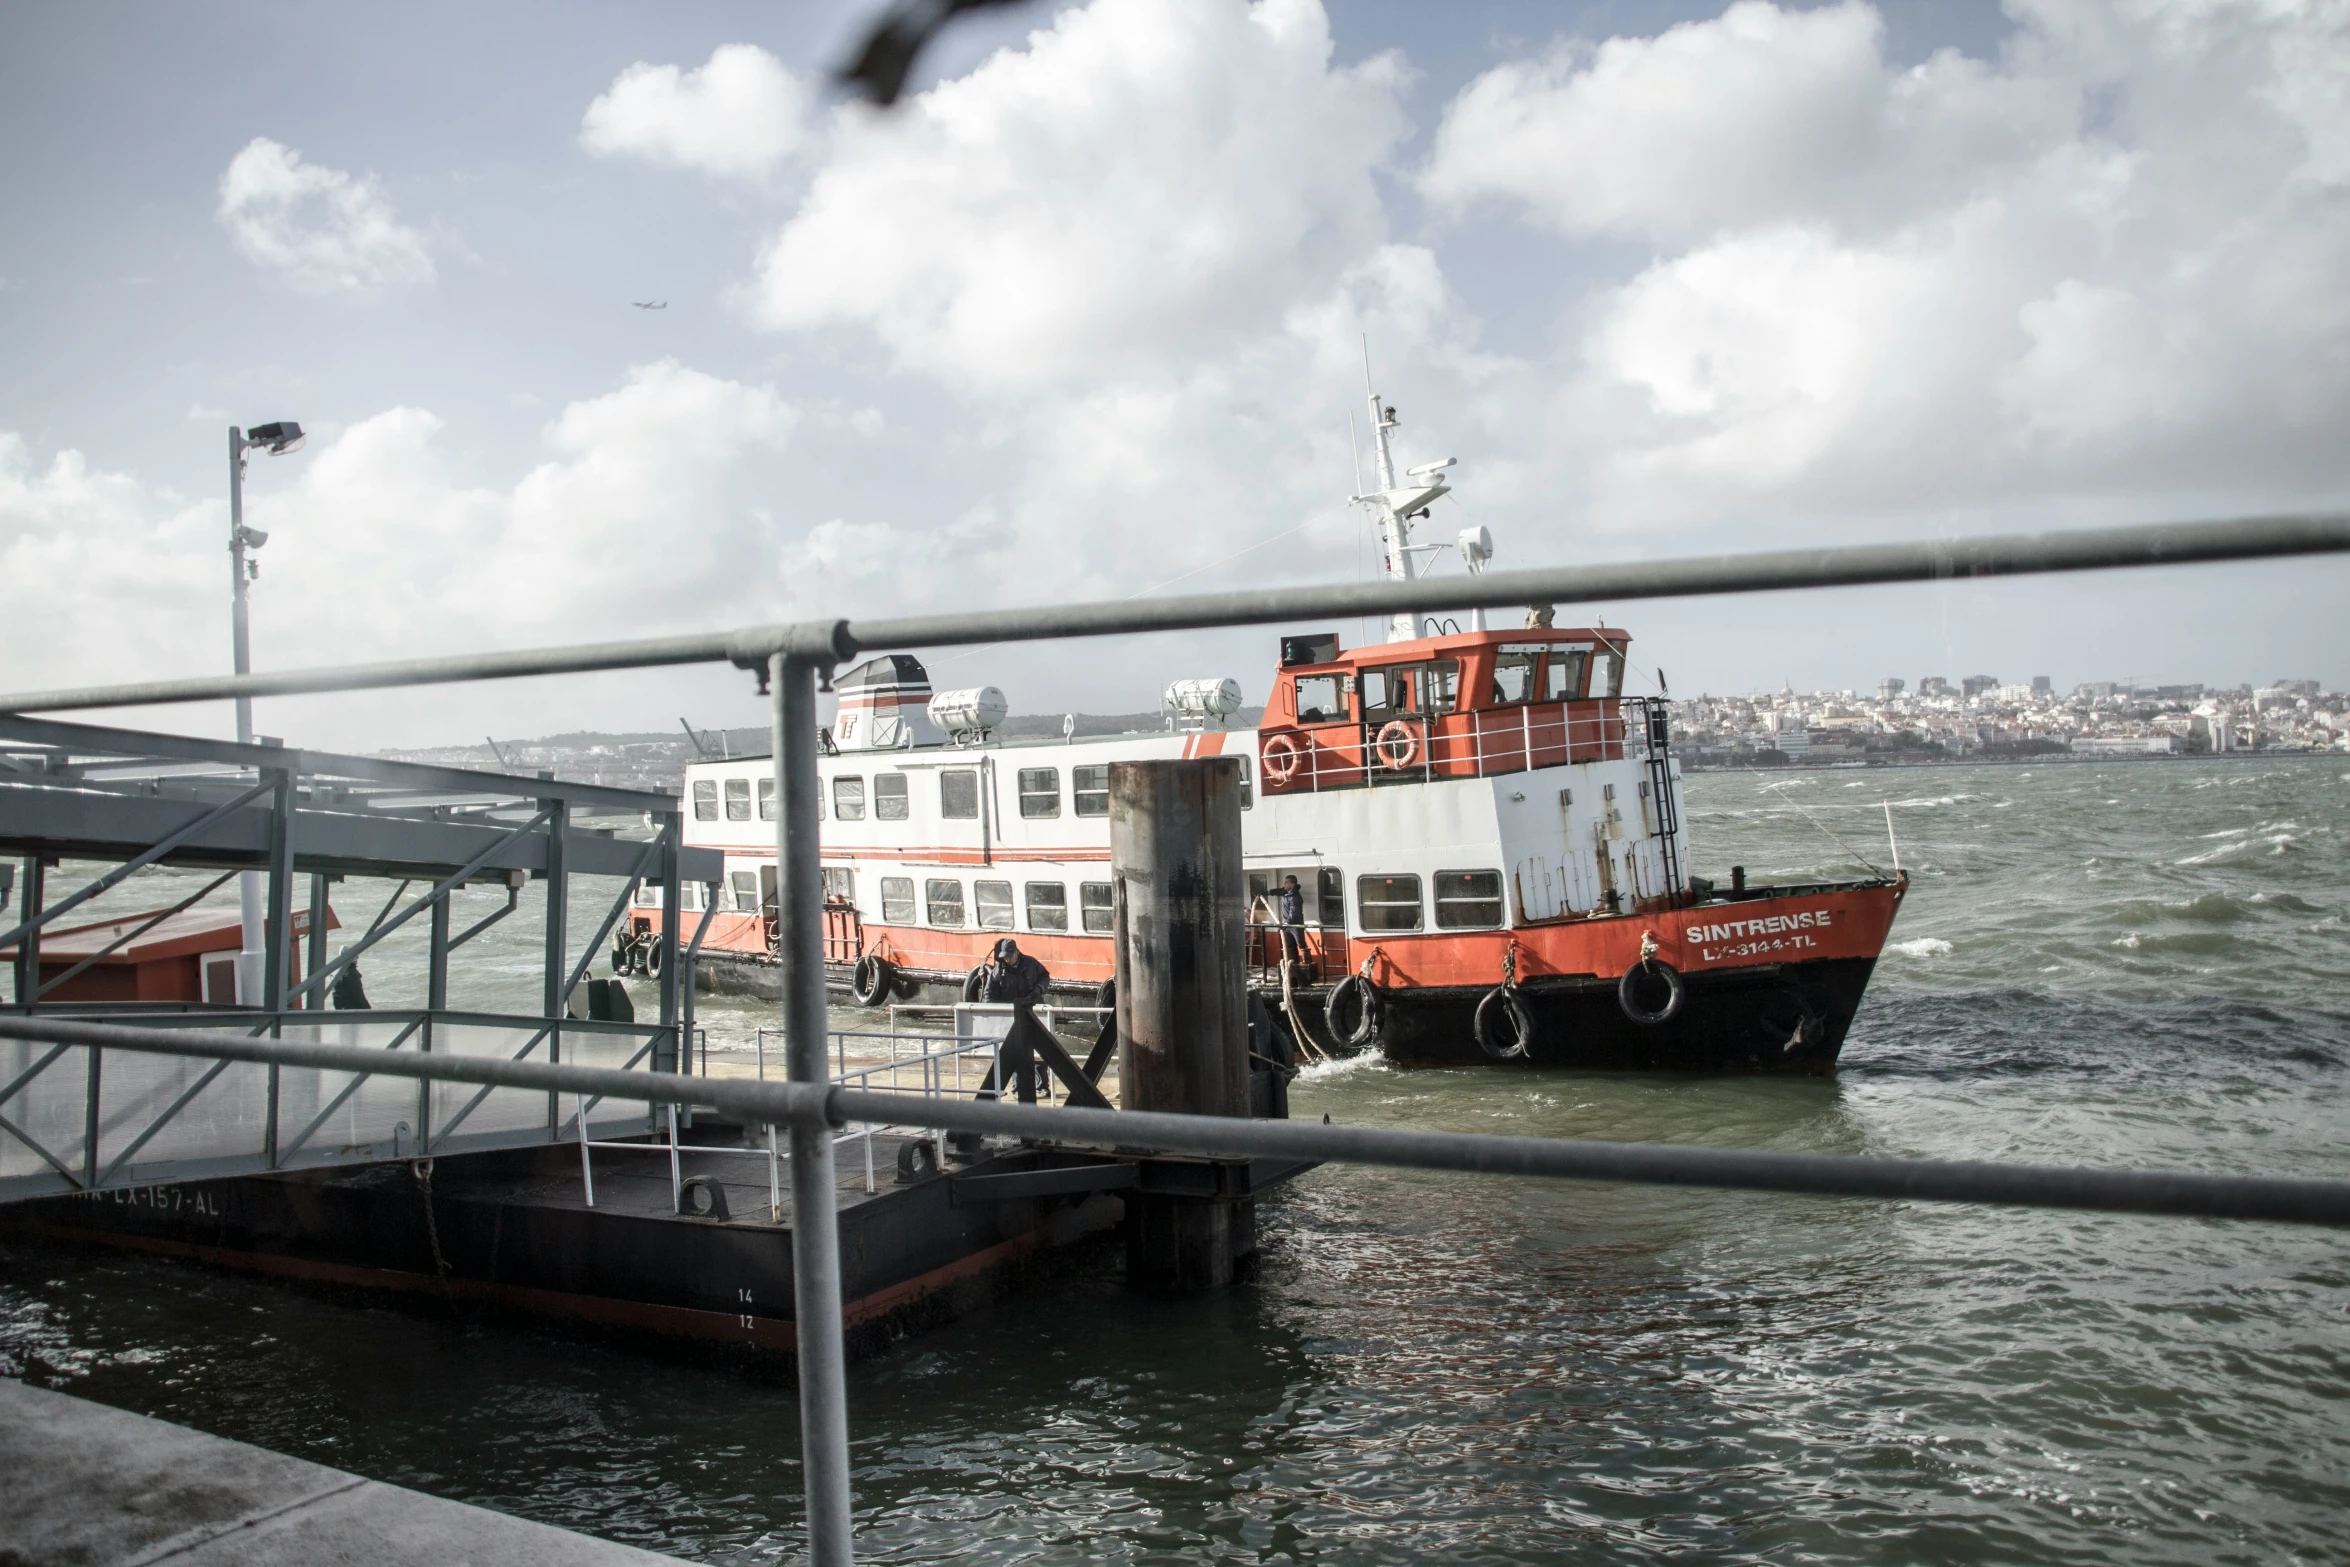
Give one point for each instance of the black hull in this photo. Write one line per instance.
(1787, 1020)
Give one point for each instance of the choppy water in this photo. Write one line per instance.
(2129, 964)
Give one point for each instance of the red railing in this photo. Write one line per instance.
(1418, 747)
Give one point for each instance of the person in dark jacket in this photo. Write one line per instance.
(1293, 920)
(349, 994)
(1012, 975)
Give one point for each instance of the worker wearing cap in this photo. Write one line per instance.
(1012, 975)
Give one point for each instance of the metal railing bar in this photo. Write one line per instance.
(441, 1134)
(153, 920)
(2090, 549)
(349, 1088)
(54, 1163)
(139, 862)
(381, 928)
(31, 1072)
(2184, 1194)
(177, 1105)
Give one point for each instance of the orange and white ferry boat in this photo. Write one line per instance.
(1487, 831)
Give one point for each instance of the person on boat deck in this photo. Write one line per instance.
(349, 994)
(1293, 920)
(1012, 975)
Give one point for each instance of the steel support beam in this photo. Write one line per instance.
(558, 941)
(815, 1230)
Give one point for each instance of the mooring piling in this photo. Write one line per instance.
(1182, 997)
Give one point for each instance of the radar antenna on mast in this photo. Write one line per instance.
(1396, 505)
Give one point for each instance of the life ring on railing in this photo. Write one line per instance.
(1397, 747)
(1648, 975)
(1505, 1025)
(1357, 998)
(1281, 758)
(870, 981)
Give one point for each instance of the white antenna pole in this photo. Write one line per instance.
(1889, 838)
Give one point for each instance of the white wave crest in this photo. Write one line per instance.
(1922, 947)
(1342, 1066)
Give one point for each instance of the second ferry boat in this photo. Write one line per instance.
(1488, 833)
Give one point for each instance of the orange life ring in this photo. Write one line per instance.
(1281, 758)
(1397, 747)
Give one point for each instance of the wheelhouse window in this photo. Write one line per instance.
(1437, 685)
(1320, 700)
(1468, 900)
(767, 800)
(958, 794)
(746, 892)
(1091, 788)
(1563, 675)
(944, 898)
(848, 799)
(1607, 675)
(897, 900)
(889, 797)
(738, 799)
(1094, 903)
(1048, 905)
(705, 799)
(1040, 792)
(1388, 902)
(1382, 690)
(994, 902)
(1514, 670)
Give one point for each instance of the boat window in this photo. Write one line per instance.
(1563, 676)
(767, 800)
(1607, 675)
(1513, 676)
(705, 799)
(944, 896)
(738, 799)
(746, 892)
(1388, 902)
(840, 884)
(1048, 905)
(1382, 691)
(848, 799)
(1248, 794)
(1437, 685)
(1040, 792)
(648, 895)
(1093, 898)
(1332, 891)
(958, 794)
(1319, 701)
(1468, 900)
(1090, 787)
(889, 797)
(897, 900)
(994, 901)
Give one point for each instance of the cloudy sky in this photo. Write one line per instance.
(1084, 317)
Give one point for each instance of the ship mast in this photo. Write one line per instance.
(1395, 506)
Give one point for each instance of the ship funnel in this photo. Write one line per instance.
(883, 705)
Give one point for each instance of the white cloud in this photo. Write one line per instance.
(322, 229)
(2095, 267)
(740, 116)
(1144, 185)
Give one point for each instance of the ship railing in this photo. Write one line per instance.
(791, 659)
(1482, 742)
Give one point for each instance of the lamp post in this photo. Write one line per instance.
(277, 440)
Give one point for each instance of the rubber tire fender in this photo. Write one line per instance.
(1504, 1009)
(872, 979)
(648, 957)
(623, 954)
(975, 982)
(1676, 988)
(1370, 1008)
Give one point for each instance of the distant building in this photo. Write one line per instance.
(2125, 745)
(2042, 686)
(1976, 685)
(1890, 687)
(2095, 690)
(1934, 685)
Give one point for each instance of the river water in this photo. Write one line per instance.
(2128, 964)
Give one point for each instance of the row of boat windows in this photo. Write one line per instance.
(958, 795)
(1464, 900)
(1434, 686)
